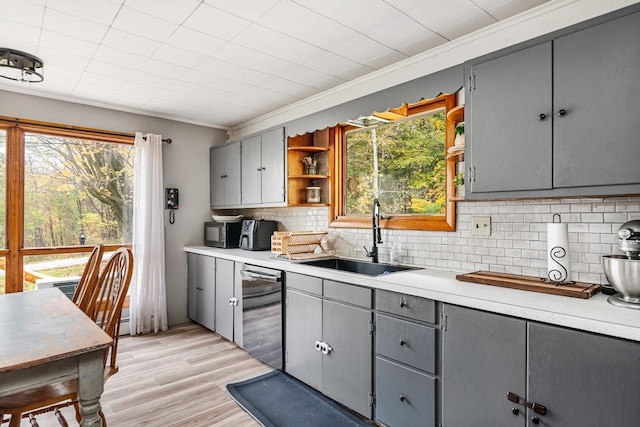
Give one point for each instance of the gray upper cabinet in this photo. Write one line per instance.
(511, 146)
(558, 118)
(596, 84)
(263, 168)
(201, 285)
(225, 175)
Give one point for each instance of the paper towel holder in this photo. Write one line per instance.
(558, 261)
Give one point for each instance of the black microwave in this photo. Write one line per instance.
(222, 234)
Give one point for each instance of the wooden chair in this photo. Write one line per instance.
(89, 278)
(105, 307)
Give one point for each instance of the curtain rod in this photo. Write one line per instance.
(167, 140)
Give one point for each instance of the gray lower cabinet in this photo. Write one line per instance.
(483, 358)
(201, 286)
(581, 379)
(552, 120)
(328, 339)
(228, 300)
(584, 380)
(406, 360)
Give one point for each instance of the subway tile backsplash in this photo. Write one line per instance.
(517, 244)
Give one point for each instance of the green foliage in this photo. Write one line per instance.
(74, 185)
(411, 171)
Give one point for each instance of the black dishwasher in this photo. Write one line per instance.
(262, 290)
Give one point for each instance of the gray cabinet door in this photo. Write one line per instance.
(251, 170)
(510, 147)
(224, 175)
(232, 189)
(596, 82)
(304, 328)
(583, 380)
(273, 161)
(216, 177)
(201, 289)
(224, 293)
(483, 358)
(347, 369)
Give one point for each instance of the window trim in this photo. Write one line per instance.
(14, 252)
(446, 222)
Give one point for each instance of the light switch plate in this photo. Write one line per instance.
(481, 226)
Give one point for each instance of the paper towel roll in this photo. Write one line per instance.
(558, 262)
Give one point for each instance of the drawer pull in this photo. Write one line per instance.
(402, 398)
(402, 342)
(537, 408)
(515, 411)
(318, 346)
(402, 303)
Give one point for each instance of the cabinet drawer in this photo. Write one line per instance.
(350, 294)
(404, 397)
(406, 342)
(406, 305)
(310, 284)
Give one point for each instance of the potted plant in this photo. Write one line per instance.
(458, 182)
(310, 164)
(459, 140)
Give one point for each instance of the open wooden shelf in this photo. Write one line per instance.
(308, 176)
(458, 156)
(308, 149)
(318, 145)
(456, 114)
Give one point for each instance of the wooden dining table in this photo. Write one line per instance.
(45, 339)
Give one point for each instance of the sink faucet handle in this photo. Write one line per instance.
(369, 253)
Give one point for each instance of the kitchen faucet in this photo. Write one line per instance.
(377, 237)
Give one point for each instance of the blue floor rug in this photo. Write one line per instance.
(276, 399)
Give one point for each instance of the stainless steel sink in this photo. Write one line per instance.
(360, 267)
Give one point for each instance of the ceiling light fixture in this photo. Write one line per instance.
(20, 66)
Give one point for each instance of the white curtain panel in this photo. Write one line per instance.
(148, 309)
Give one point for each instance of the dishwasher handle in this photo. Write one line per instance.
(250, 274)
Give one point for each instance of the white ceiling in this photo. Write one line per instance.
(223, 62)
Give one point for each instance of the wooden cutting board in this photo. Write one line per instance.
(529, 283)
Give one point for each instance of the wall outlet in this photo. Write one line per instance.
(481, 226)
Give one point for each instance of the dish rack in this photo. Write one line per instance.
(298, 245)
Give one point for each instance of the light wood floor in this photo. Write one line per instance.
(175, 378)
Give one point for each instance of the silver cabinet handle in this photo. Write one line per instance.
(326, 348)
(318, 346)
(233, 301)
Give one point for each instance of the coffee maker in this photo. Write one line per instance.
(256, 234)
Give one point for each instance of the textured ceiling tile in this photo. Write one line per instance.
(280, 45)
(65, 43)
(24, 12)
(248, 9)
(195, 41)
(119, 57)
(176, 56)
(100, 11)
(19, 36)
(131, 43)
(361, 15)
(216, 22)
(73, 26)
(143, 25)
(172, 11)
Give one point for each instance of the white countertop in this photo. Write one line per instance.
(594, 314)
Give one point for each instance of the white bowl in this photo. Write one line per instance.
(227, 218)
